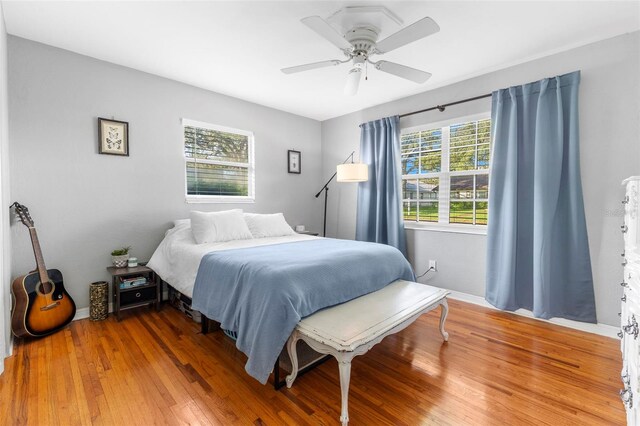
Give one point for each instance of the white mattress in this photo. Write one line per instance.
(177, 258)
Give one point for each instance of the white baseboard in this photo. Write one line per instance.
(601, 329)
(83, 313)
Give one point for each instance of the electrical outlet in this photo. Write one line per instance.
(433, 264)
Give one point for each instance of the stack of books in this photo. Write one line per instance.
(132, 282)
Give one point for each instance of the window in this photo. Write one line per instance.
(219, 163)
(445, 172)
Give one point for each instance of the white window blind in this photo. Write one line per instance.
(446, 172)
(219, 163)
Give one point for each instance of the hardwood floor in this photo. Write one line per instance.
(155, 368)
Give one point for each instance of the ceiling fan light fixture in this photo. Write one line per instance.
(353, 81)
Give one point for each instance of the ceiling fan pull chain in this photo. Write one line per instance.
(366, 70)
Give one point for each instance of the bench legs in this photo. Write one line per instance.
(444, 310)
(293, 356)
(345, 377)
(344, 357)
(344, 364)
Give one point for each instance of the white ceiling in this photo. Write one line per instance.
(237, 48)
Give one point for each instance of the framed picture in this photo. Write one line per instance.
(113, 137)
(295, 159)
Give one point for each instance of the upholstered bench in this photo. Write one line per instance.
(352, 328)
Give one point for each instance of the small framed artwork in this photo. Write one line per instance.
(295, 159)
(113, 137)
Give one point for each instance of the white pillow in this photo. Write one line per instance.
(217, 227)
(268, 225)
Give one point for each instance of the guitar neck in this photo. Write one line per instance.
(37, 251)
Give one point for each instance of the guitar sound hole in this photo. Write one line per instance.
(45, 288)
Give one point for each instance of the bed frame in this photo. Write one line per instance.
(207, 325)
(307, 362)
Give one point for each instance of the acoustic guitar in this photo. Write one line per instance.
(41, 305)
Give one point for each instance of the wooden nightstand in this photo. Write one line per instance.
(134, 297)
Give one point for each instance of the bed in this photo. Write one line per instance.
(177, 258)
(260, 288)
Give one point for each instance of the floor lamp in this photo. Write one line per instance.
(351, 172)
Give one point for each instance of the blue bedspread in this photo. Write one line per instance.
(262, 292)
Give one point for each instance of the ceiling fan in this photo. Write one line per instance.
(361, 42)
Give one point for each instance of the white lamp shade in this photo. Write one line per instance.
(353, 172)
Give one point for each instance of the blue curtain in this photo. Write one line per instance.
(538, 251)
(379, 217)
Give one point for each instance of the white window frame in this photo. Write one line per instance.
(444, 181)
(250, 198)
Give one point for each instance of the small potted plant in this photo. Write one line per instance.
(120, 256)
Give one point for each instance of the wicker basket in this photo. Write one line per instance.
(98, 301)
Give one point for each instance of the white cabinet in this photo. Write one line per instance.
(630, 312)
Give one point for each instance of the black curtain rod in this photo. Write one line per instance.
(441, 108)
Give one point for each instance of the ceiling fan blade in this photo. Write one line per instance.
(312, 66)
(403, 71)
(325, 30)
(353, 81)
(420, 29)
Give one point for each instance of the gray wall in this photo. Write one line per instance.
(610, 151)
(5, 256)
(86, 204)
